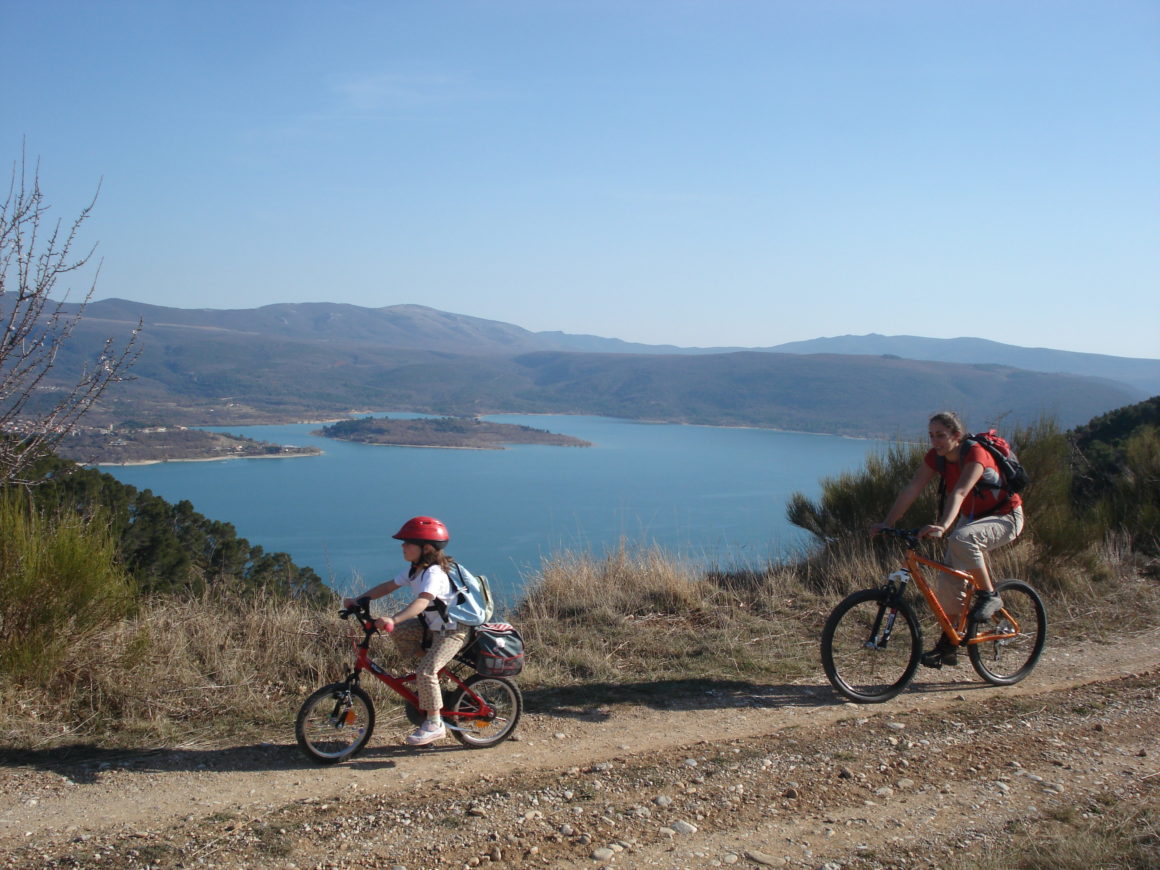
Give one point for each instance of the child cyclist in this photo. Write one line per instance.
(420, 630)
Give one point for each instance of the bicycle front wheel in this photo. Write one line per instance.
(335, 723)
(506, 703)
(1013, 639)
(871, 646)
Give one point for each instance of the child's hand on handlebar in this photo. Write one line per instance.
(384, 624)
(934, 530)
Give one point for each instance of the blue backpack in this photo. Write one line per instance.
(471, 602)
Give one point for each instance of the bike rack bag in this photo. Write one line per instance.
(495, 649)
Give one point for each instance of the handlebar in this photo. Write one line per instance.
(907, 536)
(362, 611)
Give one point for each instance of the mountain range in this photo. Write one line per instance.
(315, 360)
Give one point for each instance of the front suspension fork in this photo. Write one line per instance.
(887, 611)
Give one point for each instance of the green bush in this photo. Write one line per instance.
(60, 583)
(171, 548)
(1050, 506)
(1131, 501)
(851, 502)
(1100, 482)
(1117, 485)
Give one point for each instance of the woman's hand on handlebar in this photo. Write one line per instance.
(933, 530)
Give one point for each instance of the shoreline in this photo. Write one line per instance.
(415, 446)
(355, 414)
(196, 459)
(650, 422)
(296, 421)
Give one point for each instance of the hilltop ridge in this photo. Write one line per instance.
(310, 361)
(422, 327)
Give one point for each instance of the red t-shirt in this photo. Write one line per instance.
(984, 498)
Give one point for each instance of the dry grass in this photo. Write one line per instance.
(200, 671)
(180, 673)
(1107, 835)
(641, 617)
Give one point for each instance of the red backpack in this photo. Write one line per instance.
(1013, 476)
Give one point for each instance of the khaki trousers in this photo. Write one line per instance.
(967, 547)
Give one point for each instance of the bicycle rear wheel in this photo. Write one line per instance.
(335, 723)
(506, 702)
(870, 646)
(1013, 654)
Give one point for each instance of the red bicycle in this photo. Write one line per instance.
(336, 722)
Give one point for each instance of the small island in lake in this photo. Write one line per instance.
(461, 432)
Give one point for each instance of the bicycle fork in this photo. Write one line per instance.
(887, 610)
(342, 714)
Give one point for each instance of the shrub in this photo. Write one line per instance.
(1053, 516)
(851, 502)
(60, 584)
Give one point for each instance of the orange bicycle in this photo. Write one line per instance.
(870, 658)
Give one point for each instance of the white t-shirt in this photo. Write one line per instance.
(433, 580)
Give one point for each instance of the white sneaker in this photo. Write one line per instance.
(426, 733)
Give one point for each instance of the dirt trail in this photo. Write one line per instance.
(739, 774)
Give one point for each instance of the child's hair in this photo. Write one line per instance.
(951, 420)
(431, 555)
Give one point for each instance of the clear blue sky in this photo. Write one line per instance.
(692, 172)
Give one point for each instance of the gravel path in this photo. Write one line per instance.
(738, 775)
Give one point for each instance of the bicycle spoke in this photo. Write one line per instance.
(504, 701)
(870, 651)
(335, 723)
(1010, 644)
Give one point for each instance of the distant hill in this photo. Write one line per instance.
(309, 361)
(1140, 374)
(419, 327)
(396, 326)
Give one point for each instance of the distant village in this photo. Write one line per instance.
(120, 445)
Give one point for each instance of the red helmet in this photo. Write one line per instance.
(426, 530)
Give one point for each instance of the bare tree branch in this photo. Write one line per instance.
(36, 412)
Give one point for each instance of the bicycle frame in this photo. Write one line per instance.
(912, 567)
(400, 685)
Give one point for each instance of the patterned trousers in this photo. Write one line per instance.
(408, 638)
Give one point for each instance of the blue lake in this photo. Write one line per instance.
(711, 496)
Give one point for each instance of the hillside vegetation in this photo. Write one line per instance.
(118, 609)
(305, 362)
(163, 549)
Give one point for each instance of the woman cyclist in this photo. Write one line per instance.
(420, 630)
(977, 515)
